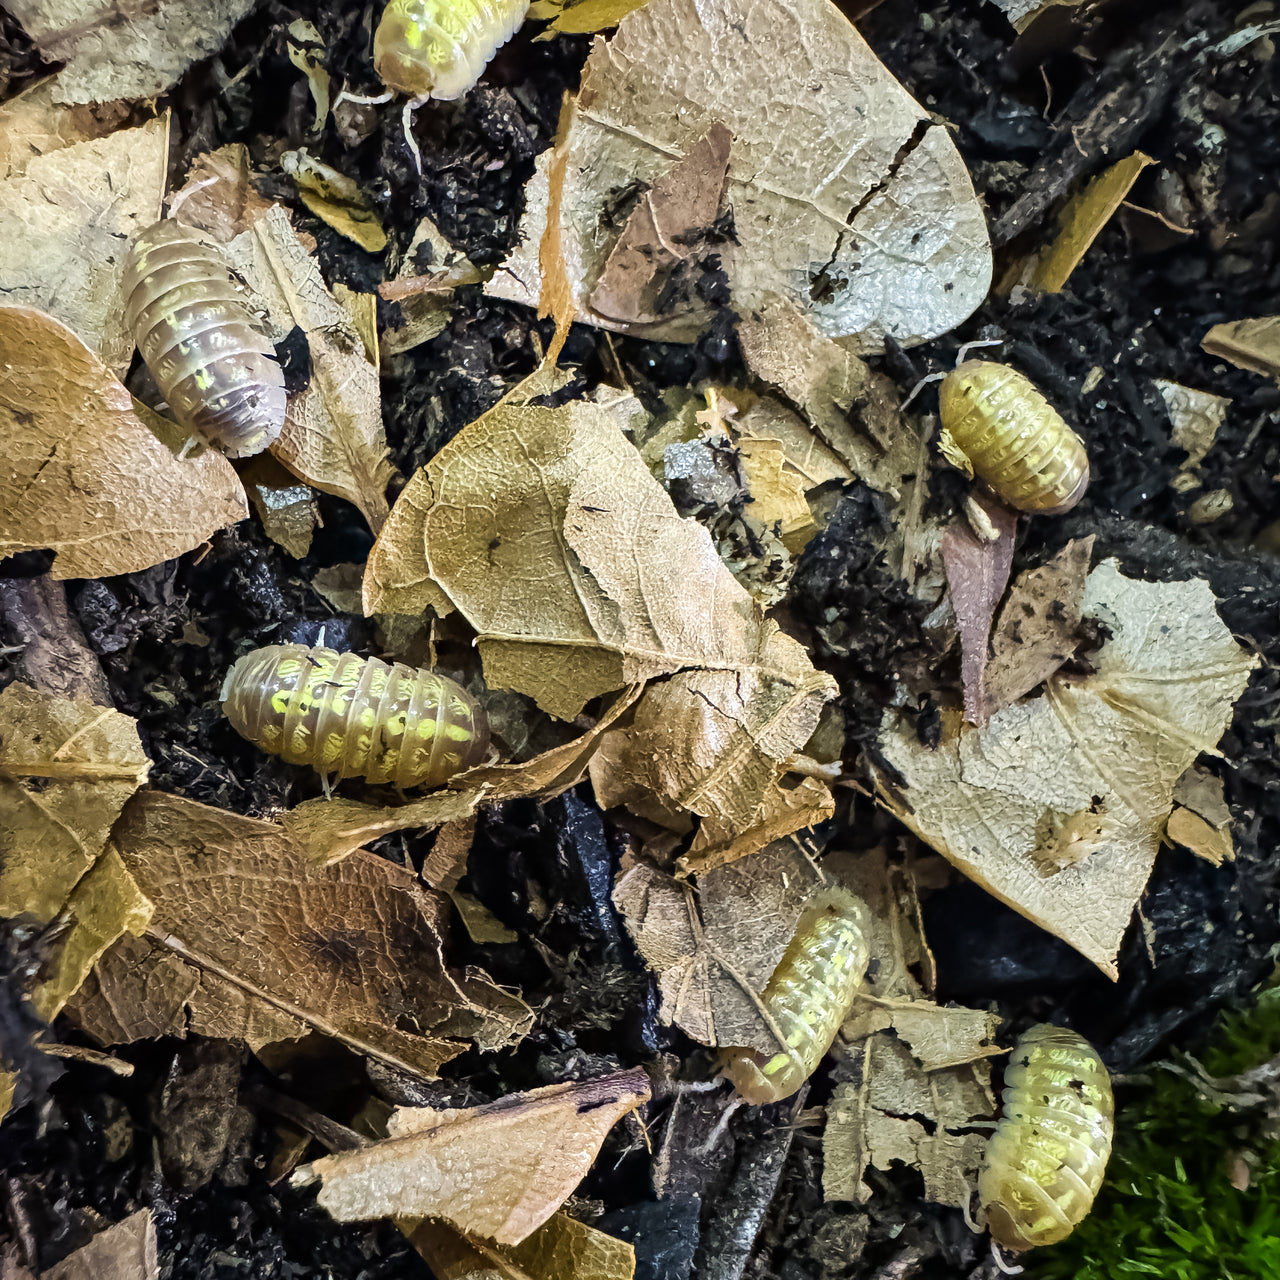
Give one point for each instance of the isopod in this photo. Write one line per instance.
(204, 345)
(356, 717)
(808, 996)
(997, 425)
(440, 48)
(1044, 1162)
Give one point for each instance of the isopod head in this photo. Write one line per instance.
(808, 996)
(355, 717)
(997, 425)
(1046, 1159)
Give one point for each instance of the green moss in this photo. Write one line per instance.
(1168, 1207)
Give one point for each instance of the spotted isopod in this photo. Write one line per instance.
(807, 997)
(205, 346)
(997, 425)
(1044, 1162)
(356, 717)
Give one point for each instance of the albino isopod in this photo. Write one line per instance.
(205, 346)
(1045, 1161)
(995, 424)
(356, 717)
(808, 997)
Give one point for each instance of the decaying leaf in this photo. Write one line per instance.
(306, 52)
(109, 56)
(1022, 13)
(423, 288)
(125, 1251)
(286, 506)
(335, 199)
(251, 941)
(84, 474)
(1057, 805)
(580, 17)
(561, 1249)
(1248, 344)
(498, 1171)
(548, 533)
(332, 437)
(32, 124)
(1201, 817)
(66, 771)
(65, 219)
(1038, 626)
(1195, 417)
(977, 572)
(219, 196)
(866, 219)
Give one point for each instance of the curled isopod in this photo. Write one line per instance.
(808, 997)
(995, 424)
(440, 48)
(356, 717)
(1045, 1161)
(205, 346)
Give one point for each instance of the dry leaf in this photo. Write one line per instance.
(55, 656)
(777, 493)
(1201, 819)
(84, 474)
(498, 1171)
(1195, 417)
(432, 269)
(335, 199)
(286, 506)
(138, 54)
(769, 420)
(32, 124)
(580, 17)
(977, 572)
(219, 197)
(649, 273)
(65, 220)
(329, 830)
(126, 1251)
(251, 941)
(307, 53)
(561, 1249)
(866, 218)
(1022, 13)
(1247, 344)
(8, 1087)
(547, 531)
(332, 437)
(1058, 804)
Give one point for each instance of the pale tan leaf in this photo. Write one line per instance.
(1195, 417)
(498, 1171)
(1057, 805)
(332, 437)
(126, 1251)
(335, 198)
(866, 218)
(32, 124)
(219, 197)
(813, 461)
(286, 506)
(249, 939)
(84, 474)
(1248, 344)
(65, 220)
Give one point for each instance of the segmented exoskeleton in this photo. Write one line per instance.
(205, 346)
(1045, 1161)
(440, 48)
(808, 997)
(356, 717)
(995, 424)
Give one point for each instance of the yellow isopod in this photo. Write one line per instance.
(1045, 1161)
(996, 425)
(807, 997)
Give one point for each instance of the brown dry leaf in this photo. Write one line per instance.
(1247, 344)
(1081, 222)
(561, 1249)
(219, 197)
(769, 420)
(423, 287)
(852, 411)
(497, 1171)
(1201, 819)
(777, 493)
(340, 585)
(1195, 417)
(251, 941)
(329, 830)
(286, 506)
(126, 1251)
(649, 273)
(549, 534)
(66, 770)
(64, 221)
(55, 655)
(866, 219)
(1057, 806)
(84, 474)
(555, 290)
(32, 124)
(335, 199)
(713, 743)
(111, 54)
(580, 17)
(1038, 626)
(977, 573)
(8, 1087)
(332, 437)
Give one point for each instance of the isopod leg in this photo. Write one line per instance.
(407, 117)
(919, 387)
(973, 346)
(1001, 1263)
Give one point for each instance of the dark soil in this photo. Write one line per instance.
(1141, 74)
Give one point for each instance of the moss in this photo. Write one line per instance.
(1169, 1207)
